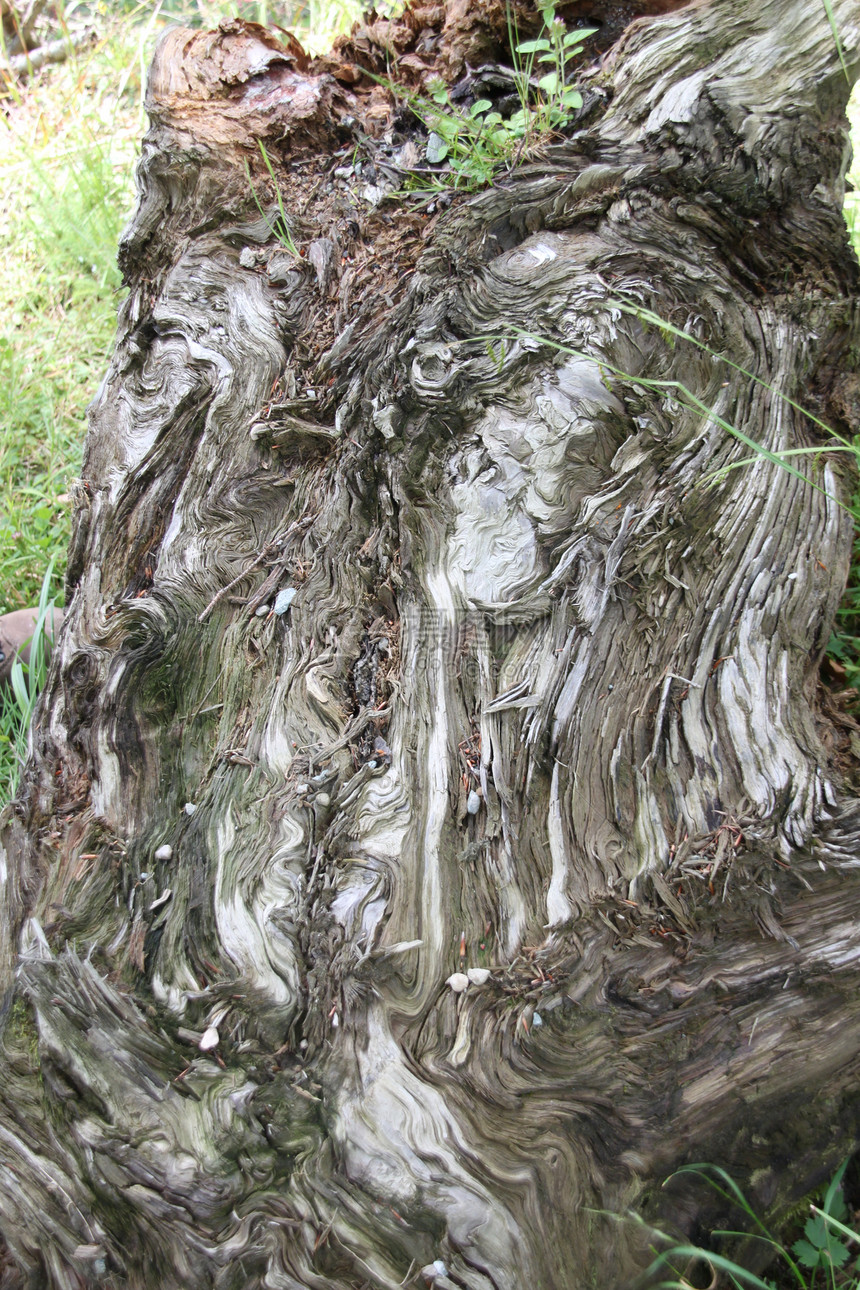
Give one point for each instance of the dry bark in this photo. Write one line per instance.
(243, 864)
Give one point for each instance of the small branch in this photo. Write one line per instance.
(55, 51)
(269, 549)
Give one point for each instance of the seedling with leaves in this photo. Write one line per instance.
(819, 1260)
(827, 1240)
(477, 142)
(553, 49)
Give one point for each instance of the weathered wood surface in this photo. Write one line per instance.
(510, 582)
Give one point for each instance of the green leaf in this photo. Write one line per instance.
(818, 1251)
(833, 1224)
(438, 90)
(482, 105)
(436, 149)
(446, 127)
(578, 36)
(492, 118)
(572, 99)
(838, 1208)
(815, 1231)
(533, 46)
(808, 1255)
(19, 689)
(837, 1253)
(549, 83)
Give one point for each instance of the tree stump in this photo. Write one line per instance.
(431, 837)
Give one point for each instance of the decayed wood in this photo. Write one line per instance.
(394, 652)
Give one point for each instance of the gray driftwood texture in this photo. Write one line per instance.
(395, 652)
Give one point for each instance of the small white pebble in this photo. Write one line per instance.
(433, 1271)
(335, 1020)
(189, 808)
(209, 1039)
(322, 799)
(478, 976)
(458, 981)
(164, 853)
(537, 1019)
(473, 804)
(284, 599)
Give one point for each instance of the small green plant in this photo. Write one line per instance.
(554, 49)
(478, 141)
(279, 227)
(17, 703)
(819, 1260)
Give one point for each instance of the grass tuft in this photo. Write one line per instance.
(825, 1257)
(18, 702)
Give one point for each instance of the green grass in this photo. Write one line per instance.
(67, 150)
(69, 139)
(823, 1257)
(19, 700)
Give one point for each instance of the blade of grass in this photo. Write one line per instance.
(693, 402)
(717, 1261)
(831, 18)
(655, 320)
(280, 227)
